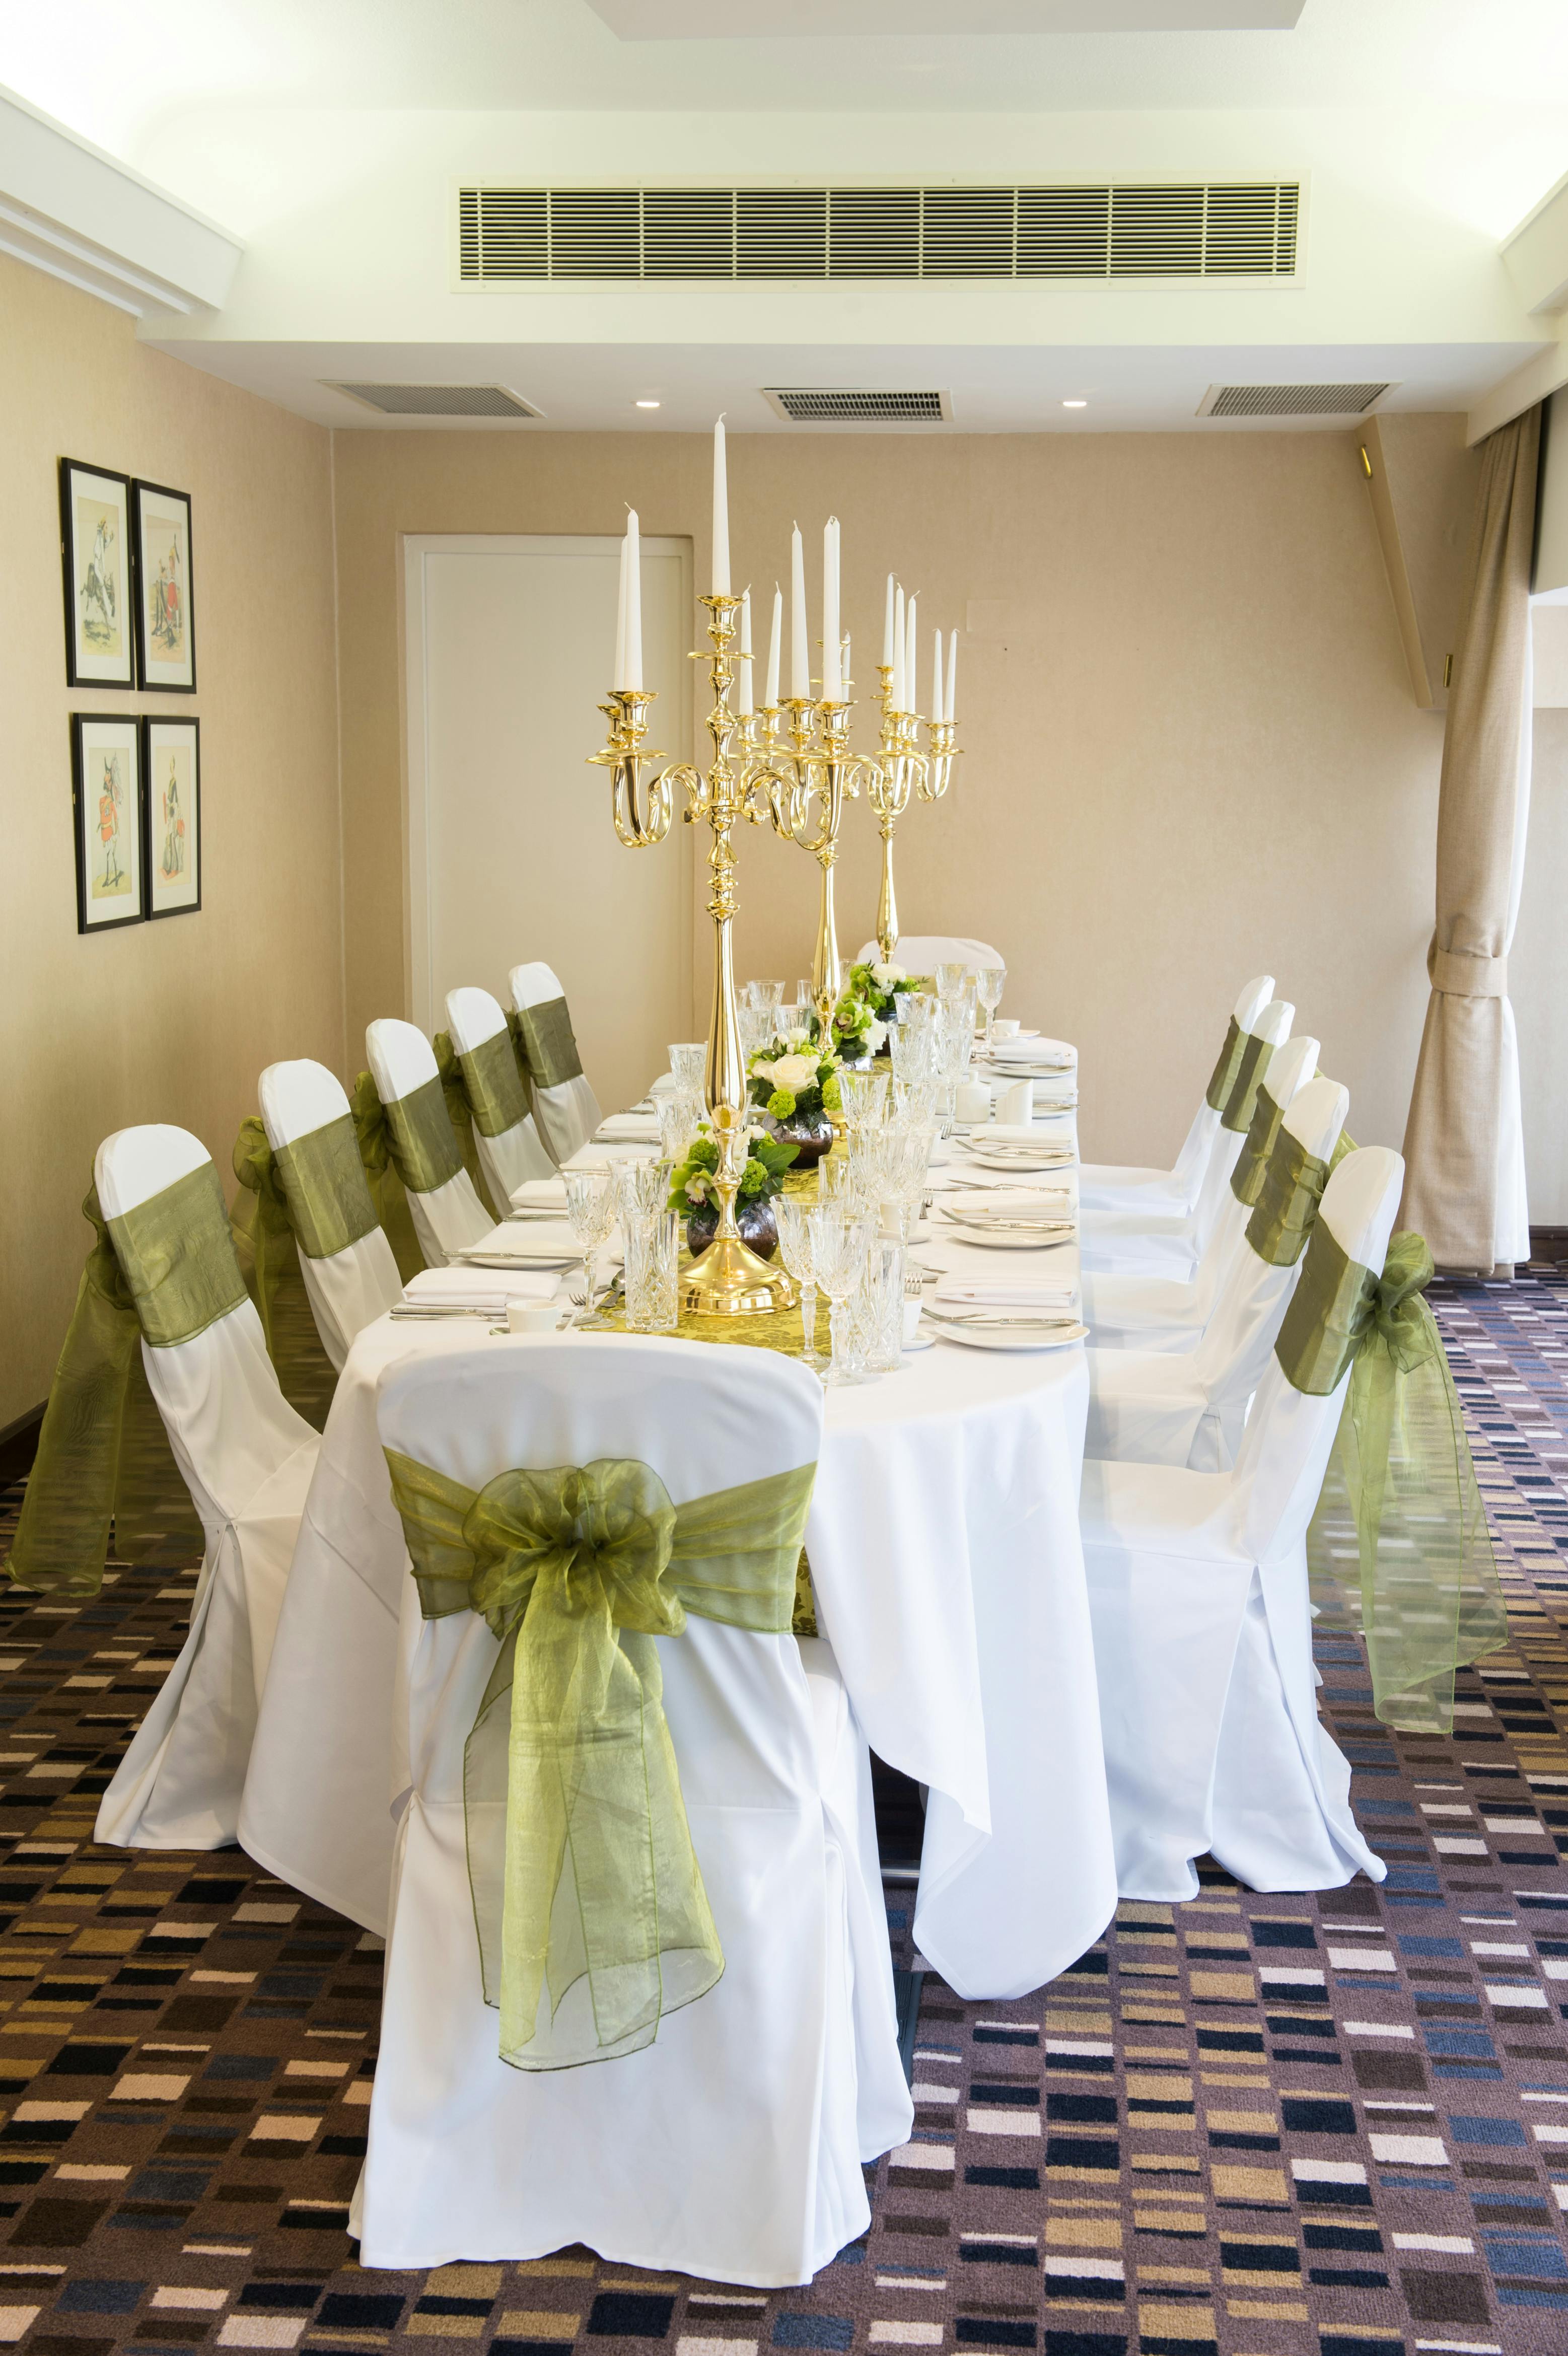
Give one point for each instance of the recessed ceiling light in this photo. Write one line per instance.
(1075, 404)
(647, 404)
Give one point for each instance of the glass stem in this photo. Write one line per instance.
(808, 1323)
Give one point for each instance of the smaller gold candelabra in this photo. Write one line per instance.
(803, 789)
(903, 770)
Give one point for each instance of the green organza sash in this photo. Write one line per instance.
(545, 1046)
(496, 1094)
(263, 1224)
(1397, 1549)
(167, 1270)
(326, 1188)
(455, 1088)
(1237, 1111)
(1286, 1207)
(373, 1135)
(580, 1858)
(424, 1149)
(1247, 1177)
(1223, 1077)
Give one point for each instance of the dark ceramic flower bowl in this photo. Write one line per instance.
(754, 1219)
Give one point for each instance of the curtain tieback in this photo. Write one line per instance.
(1467, 973)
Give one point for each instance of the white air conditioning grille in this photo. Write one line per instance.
(439, 400)
(1189, 229)
(832, 405)
(1290, 399)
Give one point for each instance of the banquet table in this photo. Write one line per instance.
(949, 1577)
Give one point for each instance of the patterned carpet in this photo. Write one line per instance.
(1270, 2127)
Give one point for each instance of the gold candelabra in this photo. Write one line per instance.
(903, 770)
(728, 1279)
(802, 790)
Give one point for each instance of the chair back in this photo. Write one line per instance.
(512, 1155)
(565, 1112)
(1234, 1353)
(1253, 997)
(228, 1423)
(1273, 1025)
(348, 1289)
(923, 952)
(449, 1215)
(1284, 1455)
(1288, 1072)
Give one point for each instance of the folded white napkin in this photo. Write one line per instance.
(1057, 1299)
(1016, 1203)
(479, 1288)
(1052, 1053)
(541, 1194)
(629, 1128)
(1016, 1104)
(664, 1086)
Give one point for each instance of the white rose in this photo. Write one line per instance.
(762, 1069)
(876, 1034)
(794, 1073)
(884, 976)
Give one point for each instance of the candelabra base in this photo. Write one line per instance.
(729, 1280)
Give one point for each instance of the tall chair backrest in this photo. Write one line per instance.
(1285, 1454)
(506, 1137)
(347, 1283)
(1187, 1171)
(1233, 1354)
(228, 1424)
(448, 1215)
(1273, 1026)
(923, 952)
(1288, 1072)
(566, 1110)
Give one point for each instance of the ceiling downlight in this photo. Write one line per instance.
(1177, 230)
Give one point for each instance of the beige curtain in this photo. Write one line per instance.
(1461, 1099)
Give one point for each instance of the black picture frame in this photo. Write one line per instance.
(154, 822)
(82, 668)
(154, 674)
(84, 726)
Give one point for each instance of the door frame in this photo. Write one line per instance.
(413, 549)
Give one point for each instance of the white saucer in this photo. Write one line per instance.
(989, 1337)
(924, 1339)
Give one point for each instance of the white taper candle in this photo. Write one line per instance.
(800, 653)
(633, 601)
(721, 514)
(744, 705)
(771, 697)
(936, 675)
(888, 629)
(832, 684)
(617, 677)
(899, 702)
(911, 673)
(949, 711)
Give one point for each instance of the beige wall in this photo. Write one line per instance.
(1190, 747)
(169, 1021)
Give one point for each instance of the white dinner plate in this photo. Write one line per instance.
(1041, 1239)
(1013, 1337)
(1028, 1157)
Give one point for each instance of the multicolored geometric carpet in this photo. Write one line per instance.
(1266, 2127)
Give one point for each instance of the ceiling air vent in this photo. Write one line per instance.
(439, 400)
(1290, 399)
(1185, 230)
(818, 405)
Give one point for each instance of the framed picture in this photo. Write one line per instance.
(171, 768)
(106, 794)
(95, 546)
(166, 617)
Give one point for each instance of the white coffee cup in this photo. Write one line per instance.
(911, 1319)
(1004, 1029)
(533, 1316)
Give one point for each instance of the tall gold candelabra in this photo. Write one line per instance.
(728, 1279)
(802, 790)
(903, 770)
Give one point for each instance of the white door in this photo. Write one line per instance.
(512, 852)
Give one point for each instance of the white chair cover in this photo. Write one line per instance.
(1163, 1312)
(352, 1288)
(1131, 1243)
(247, 1460)
(1162, 1408)
(1115, 1187)
(449, 1218)
(567, 1116)
(923, 952)
(1203, 1632)
(731, 2147)
(517, 1154)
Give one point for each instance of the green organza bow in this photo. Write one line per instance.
(580, 1860)
(1399, 1549)
(104, 1462)
(374, 1137)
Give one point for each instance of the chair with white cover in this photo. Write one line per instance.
(347, 1283)
(505, 1136)
(730, 2147)
(1116, 1186)
(1133, 1243)
(1166, 1408)
(1167, 1312)
(566, 1110)
(246, 1458)
(921, 953)
(1202, 1621)
(446, 1211)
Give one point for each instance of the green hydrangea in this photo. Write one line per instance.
(781, 1104)
(832, 1095)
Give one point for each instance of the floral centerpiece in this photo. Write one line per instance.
(794, 1091)
(693, 1193)
(867, 1009)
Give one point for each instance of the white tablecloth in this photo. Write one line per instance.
(945, 1552)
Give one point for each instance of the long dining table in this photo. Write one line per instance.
(949, 1578)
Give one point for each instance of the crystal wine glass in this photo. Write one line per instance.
(796, 1250)
(990, 982)
(840, 1244)
(591, 1212)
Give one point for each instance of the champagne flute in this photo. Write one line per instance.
(990, 982)
(591, 1212)
(797, 1252)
